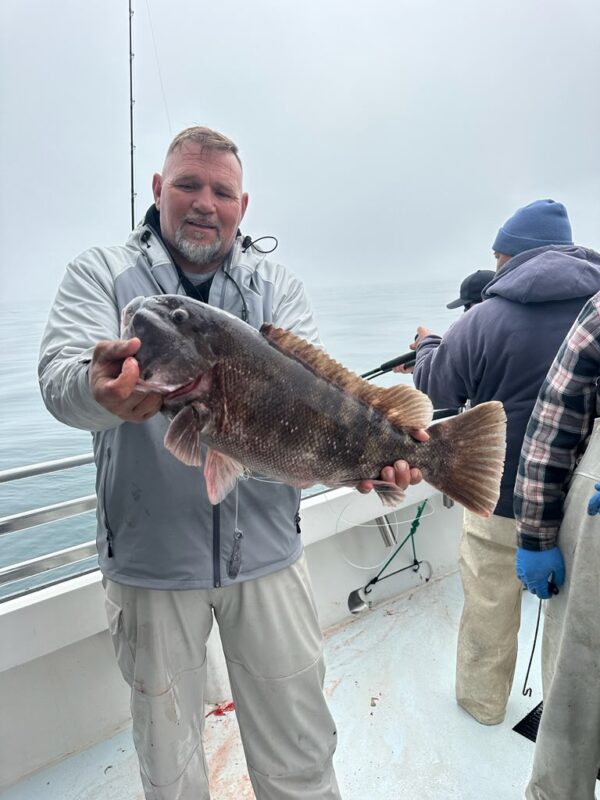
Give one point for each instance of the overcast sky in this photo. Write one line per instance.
(380, 141)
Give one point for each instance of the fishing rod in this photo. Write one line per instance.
(408, 359)
(131, 103)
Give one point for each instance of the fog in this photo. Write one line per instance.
(380, 143)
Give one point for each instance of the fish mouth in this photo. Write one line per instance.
(187, 388)
(160, 388)
(198, 387)
(168, 389)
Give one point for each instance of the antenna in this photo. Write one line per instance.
(131, 102)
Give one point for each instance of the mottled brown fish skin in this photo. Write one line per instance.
(279, 416)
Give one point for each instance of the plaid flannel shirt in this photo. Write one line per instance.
(558, 431)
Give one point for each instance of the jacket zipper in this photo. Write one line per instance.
(109, 533)
(216, 516)
(297, 518)
(217, 545)
(217, 508)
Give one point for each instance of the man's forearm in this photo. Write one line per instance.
(436, 374)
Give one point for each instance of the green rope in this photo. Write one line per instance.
(413, 529)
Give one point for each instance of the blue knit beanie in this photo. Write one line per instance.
(539, 224)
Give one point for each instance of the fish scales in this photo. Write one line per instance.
(270, 403)
(311, 424)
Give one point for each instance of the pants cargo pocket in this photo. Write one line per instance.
(125, 660)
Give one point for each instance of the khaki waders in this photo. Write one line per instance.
(567, 751)
(273, 647)
(489, 625)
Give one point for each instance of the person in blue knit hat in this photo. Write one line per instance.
(539, 224)
(502, 350)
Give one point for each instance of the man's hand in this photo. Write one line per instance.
(404, 369)
(537, 568)
(422, 332)
(400, 473)
(113, 377)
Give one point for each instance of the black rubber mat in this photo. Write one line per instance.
(528, 726)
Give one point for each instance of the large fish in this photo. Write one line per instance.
(269, 402)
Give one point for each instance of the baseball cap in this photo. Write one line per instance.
(471, 288)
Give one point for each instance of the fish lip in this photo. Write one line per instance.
(186, 388)
(149, 386)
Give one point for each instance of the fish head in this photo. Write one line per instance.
(179, 340)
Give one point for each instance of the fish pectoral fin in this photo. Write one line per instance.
(182, 438)
(220, 474)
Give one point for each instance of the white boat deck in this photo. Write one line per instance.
(390, 682)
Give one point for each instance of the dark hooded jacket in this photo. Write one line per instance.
(502, 349)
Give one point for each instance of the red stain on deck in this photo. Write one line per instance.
(227, 778)
(219, 764)
(222, 709)
(329, 690)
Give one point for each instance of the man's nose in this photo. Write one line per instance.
(204, 200)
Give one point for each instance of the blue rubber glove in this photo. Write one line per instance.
(594, 504)
(537, 568)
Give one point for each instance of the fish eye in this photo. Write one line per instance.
(179, 315)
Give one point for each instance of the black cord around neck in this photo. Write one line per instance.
(248, 242)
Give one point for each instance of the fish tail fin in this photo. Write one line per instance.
(471, 460)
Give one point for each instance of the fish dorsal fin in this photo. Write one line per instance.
(402, 405)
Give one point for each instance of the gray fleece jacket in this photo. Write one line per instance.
(155, 525)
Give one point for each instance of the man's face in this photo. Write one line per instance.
(201, 204)
(501, 259)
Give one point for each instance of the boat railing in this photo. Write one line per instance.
(24, 520)
(81, 553)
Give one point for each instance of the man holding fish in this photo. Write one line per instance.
(170, 557)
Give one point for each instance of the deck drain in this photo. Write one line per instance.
(528, 726)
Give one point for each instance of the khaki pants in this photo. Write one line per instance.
(489, 625)
(567, 751)
(272, 644)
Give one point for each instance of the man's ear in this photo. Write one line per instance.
(157, 188)
(245, 200)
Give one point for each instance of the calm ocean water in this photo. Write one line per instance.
(361, 326)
